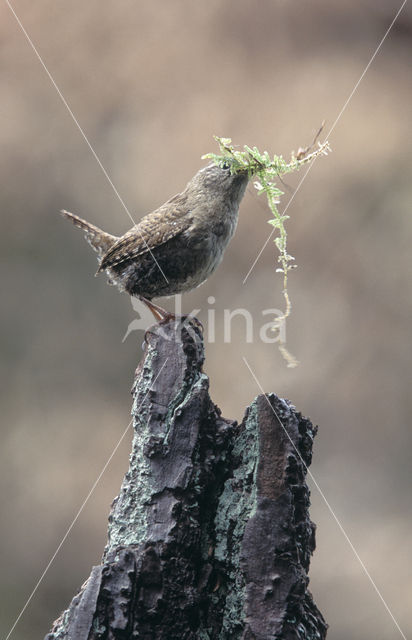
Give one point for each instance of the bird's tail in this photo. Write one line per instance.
(98, 239)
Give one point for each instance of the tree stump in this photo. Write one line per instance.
(210, 536)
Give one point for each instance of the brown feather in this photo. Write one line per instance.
(156, 228)
(98, 239)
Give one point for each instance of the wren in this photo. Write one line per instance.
(176, 247)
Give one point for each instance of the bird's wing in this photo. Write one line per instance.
(166, 222)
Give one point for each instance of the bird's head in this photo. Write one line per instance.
(218, 181)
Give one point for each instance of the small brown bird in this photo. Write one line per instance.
(176, 247)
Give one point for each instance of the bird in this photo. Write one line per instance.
(176, 247)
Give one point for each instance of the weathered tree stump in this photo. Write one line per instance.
(210, 536)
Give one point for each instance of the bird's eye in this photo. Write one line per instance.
(225, 165)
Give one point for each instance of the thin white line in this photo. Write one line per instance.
(330, 131)
(326, 502)
(79, 512)
(67, 532)
(366, 68)
(82, 133)
(259, 254)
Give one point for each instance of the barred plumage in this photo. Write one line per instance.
(176, 247)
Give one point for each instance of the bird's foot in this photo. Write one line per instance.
(159, 313)
(163, 316)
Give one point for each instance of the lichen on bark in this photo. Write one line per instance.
(210, 536)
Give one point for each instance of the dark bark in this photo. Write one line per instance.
(210, 536)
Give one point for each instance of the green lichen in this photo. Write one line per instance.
(128, 520)
(237, 505)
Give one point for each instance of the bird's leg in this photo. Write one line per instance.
(159, 313)
(162, 315)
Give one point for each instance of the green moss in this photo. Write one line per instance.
(268, 170)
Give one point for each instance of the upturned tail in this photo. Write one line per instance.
(98, 239)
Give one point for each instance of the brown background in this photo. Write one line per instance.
(150, 83)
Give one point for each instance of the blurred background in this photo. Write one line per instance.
(150, 83)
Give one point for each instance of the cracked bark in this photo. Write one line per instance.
(210, 535)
